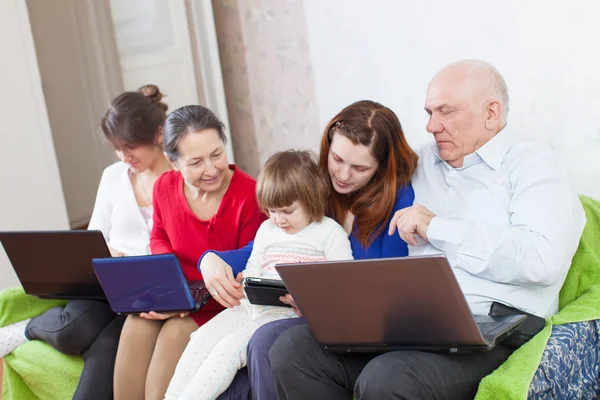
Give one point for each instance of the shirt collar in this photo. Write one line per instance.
(492, 153)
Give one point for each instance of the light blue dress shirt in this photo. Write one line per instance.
(508, 221)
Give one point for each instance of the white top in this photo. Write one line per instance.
(507, 220)
(117, 214)
(148, 214)
(319, 241)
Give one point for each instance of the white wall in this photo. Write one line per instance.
(31, 195)
(80, 74)
(153, 42)
(207, 64)
(173, 45)
(547, 51)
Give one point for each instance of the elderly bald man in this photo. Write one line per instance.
(501, 210)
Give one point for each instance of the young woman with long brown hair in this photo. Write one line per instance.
(369, 164)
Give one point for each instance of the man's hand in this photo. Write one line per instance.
(161, 317)
(289, 300)
(411, 222)
(220, 282)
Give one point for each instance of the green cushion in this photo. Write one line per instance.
(35, 370)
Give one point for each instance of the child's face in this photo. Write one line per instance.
(292, 219)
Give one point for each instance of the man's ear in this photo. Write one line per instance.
(493, 115)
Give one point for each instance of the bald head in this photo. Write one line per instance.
(478, 79)
(468, 103)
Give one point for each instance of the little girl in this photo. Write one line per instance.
(292, 191)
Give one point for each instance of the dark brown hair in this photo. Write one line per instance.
(135, 118)
(293, 175)
(377, 127)
(188, 119)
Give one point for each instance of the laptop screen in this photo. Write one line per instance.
(408, 301)
(144, 283)
(56, 264)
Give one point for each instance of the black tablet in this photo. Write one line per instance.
(265, 292)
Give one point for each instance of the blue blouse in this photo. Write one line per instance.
(383, 246)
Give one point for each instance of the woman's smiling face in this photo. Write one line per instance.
(203, 160)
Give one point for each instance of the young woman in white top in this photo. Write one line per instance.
(123, 212)
(123, 209)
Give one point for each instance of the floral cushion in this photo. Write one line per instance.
(570, 366)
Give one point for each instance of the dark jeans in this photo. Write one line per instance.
(258, 374)
(302, 369)
(87, 328)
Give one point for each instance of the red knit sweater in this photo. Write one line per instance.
(179, 231)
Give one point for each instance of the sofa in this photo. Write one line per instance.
(562, 361)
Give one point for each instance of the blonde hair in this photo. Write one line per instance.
(293, 175)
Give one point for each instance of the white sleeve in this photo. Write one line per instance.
(102, 213)
(546, 222)
(338, 245)
(257, 257)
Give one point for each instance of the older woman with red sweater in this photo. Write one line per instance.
(205, 203)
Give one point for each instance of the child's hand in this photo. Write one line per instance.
(289, 300)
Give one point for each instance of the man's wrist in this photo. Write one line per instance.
(428, 219)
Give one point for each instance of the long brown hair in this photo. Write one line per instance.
(377, 127)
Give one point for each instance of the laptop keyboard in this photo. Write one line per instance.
(199, 293)
(487, 327)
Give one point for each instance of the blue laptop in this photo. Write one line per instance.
(139, 284)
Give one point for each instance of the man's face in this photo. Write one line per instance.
(456, 117)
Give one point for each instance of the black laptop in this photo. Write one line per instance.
(408, 303)
(56, 264)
